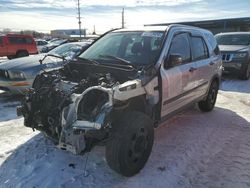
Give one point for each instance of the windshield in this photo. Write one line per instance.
(57, 42)
(233, 39)
(67, 50)
(137, 47)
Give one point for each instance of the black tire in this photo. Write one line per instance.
(130, 144)
(207, 105)
(22, 54)
(245, 73)
(10, 56)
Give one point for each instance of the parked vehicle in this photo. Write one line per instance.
(120, 87)
(40, 43)
(52, 45)
(18, 74)
(235, 51)
(13, 45)
(55, 39)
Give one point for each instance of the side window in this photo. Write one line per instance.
(28, 40)
(199, 48)
(1, 40)
(180, 45)
(16, 40)
(213, 44)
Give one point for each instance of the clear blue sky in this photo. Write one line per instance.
(45, 15)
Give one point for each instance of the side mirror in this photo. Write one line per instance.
(173, 60)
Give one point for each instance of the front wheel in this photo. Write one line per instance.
(130, 144)
(207, 105)
(23, 53)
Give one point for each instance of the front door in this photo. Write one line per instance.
(178, 82)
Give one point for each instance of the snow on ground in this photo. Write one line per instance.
(192, 149)
(2, 59)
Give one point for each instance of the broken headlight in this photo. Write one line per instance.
(129, 85)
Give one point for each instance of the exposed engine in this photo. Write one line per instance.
(52, 94)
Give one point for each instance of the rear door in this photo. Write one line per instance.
(178, 82)
(14, 44)
(204, 64)
(30, 45)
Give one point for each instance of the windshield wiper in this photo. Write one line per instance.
(120, 60)
(52, 55)
(89, 60)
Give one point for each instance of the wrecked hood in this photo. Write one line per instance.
(27, 62)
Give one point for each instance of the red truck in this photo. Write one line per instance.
(15, 45)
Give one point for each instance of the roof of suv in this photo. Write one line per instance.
(143, 28)
(235, 33)
(159, 28)
(18, 35)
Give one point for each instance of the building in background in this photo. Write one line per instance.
(218, 26)
(68, 33)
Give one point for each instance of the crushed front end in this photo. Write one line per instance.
(76, 106)
(72, 114)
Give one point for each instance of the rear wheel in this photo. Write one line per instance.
(208, 104)
(130, 145)
(22, 54)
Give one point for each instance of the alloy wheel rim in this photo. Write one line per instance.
(139, 143)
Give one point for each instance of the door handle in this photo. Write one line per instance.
(192, 69)
(211, 63)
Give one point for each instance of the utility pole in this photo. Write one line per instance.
(123, 23)
(79, 17)
(94, 33)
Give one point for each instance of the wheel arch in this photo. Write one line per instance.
(216, 78)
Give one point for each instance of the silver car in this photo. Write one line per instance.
(18, 74)
(235, 52)
(40, 43)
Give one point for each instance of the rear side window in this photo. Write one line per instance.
(20, 40)
(180, 45)
(16, 40)
(28, 40)
(212, 41)
(40, 43)
(1, 40)
(199, 48)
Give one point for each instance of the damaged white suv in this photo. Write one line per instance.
(121, 87)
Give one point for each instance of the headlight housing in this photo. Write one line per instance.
(240, 55)
(16, 75)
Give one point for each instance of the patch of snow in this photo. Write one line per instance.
(2, 59)
(233, 84)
